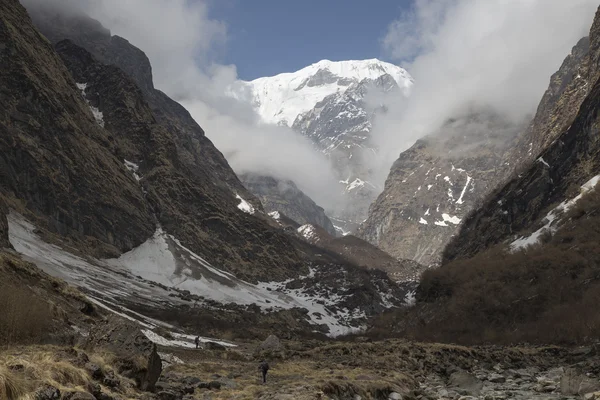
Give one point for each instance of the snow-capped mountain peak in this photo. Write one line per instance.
(281, 98)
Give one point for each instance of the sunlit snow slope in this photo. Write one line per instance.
(280, 99)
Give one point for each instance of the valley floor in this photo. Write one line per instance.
(334, 370)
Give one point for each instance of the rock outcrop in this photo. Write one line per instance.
(137, 356)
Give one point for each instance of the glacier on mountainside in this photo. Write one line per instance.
(149, 275)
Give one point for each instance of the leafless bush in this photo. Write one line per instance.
(24, 318)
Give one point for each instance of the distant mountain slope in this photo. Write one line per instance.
(280, 99)
(284, 196)
(433, 186)
(525, 265)
(407, 220)
(327, 103)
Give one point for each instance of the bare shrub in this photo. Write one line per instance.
(548, 293)
(24, 318)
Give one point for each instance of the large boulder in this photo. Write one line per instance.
(137, 356)
(574, 382)
(270, 348)
(465, 383)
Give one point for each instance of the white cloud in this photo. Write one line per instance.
(493, 54)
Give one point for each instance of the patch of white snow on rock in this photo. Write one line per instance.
(552, 219)
(245, 206)
(98, 116)
(309, 232)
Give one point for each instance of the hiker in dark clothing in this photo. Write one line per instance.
(197, 341)
(264, 367)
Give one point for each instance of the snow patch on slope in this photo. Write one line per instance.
(245, 206)
(133, 168)
(98, 116)
(309, 232)
(552, 219)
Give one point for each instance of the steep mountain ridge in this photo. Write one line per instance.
(46, 138)
(565, 123)
(182, 174)
(524, 267)
(397, 221)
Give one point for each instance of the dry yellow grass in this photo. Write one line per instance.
(11, 387)
(38, 365)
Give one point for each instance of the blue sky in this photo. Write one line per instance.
(267, 37)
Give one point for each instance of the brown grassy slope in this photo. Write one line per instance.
(548, 293)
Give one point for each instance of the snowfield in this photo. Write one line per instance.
(147, 275)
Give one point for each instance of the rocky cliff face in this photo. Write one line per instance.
(566, 123)
(4, 242)
(435, 183)
(278, 196)
(173, 167)
(48, 133)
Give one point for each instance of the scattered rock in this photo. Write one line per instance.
(47, 392)
(271, 347)
(496, 378)
(573, 382)
(94, 370)
(111, 381)
(78, 396)
(168, 395)
(153, 372)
